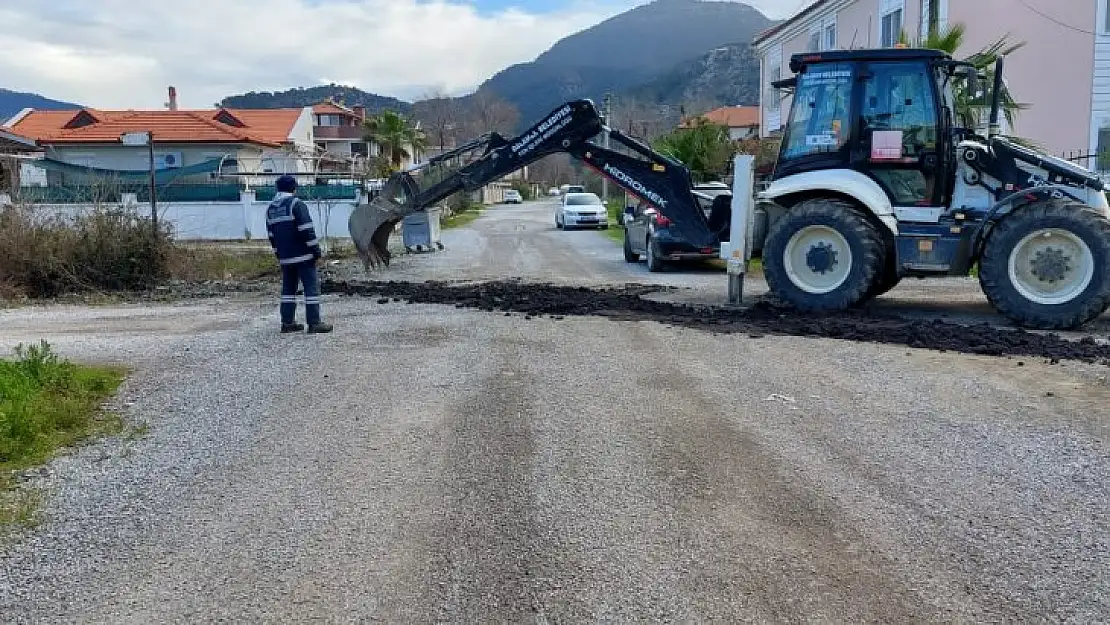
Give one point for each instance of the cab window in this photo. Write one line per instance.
(819, 115)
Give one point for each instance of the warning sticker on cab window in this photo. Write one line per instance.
(886, 145)
(820, 140)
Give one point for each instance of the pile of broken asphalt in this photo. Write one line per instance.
(758, 320)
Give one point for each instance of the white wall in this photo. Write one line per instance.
(227, 220)
(122, 157)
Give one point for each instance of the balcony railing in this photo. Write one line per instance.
(337, 132)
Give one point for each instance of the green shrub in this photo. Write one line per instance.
(47, 402)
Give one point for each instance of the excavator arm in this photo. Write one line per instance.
(654, 178)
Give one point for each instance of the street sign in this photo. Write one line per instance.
(135, 138)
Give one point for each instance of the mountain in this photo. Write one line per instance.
(725, 76)
(301, 96)
(660, 41)
(12, 102)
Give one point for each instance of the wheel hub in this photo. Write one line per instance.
(1050, 265)
(821, 258)
(817, 259)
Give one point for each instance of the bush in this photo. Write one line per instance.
(524, 188)
(47, 403)
(107, 248)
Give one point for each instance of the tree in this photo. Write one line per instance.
(397, 136)
(971, 108)
(488, 112)
(439, 114)
(704, 147)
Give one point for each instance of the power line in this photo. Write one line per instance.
(1056, 21)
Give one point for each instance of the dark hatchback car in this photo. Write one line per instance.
(648, 233)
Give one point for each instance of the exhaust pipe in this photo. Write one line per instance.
(996, 98)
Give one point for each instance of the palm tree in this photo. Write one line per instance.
(397, 136)
(971, 109)
(704, 147)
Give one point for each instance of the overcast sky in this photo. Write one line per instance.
(123, 53)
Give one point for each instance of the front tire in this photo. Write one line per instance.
(629, 255)
(823, 255)
(1045, 266)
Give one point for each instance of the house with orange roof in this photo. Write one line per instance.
(337, 130)
(742, 121)
(199, 144)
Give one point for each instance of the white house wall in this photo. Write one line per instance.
(1100, 88)
(302, 134)
(123, 158)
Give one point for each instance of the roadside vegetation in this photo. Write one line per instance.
(109, 250)
(46, 403)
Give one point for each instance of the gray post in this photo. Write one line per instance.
(153, 199)
(735, 251)
(608, 121)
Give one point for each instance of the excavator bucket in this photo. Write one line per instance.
(371, 224)
(407, 192)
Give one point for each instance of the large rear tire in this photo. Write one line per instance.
(1045, 266)
(823, 255)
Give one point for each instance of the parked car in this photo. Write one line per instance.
(581, 209)
(648, 233)
(512, 196)
(554, 192)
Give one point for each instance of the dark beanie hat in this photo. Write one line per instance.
(286, 184)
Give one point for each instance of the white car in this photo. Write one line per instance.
(581, 209)
(512, 196)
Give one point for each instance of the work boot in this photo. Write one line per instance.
(286, 328)
(319, 328)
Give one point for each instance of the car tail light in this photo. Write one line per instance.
(706, 250)
(663, 221)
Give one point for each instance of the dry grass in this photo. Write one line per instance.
(104, 249)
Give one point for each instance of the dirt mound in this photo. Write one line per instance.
(628, 303)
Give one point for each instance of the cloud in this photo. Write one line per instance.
(123, 53)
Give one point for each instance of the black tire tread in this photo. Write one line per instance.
(871, 262)
(659, 264)
(629, 255)
(994, 272)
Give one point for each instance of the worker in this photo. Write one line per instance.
(293, 237)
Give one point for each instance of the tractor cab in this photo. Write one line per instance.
(885, 113)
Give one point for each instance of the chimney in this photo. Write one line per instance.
(173, 98)
(359, 110)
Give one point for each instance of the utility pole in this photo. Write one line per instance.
(146, 138)
(153, 199)
(608, 120)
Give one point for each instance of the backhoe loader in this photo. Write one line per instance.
(875, 181)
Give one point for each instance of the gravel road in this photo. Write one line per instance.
(426, 463)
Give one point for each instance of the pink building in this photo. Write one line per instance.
(1062, 73)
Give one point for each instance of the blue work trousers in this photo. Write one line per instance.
(292, 276)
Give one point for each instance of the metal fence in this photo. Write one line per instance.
(172, 193)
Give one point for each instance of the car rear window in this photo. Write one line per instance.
(580, 200)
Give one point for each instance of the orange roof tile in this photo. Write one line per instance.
(733, 116)
(268, 127)
(330, 108)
